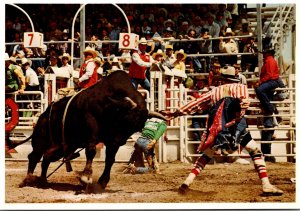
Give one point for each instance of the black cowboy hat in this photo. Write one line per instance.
(265, 51)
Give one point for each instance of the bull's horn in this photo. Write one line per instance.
(156, 114)
(134, 105)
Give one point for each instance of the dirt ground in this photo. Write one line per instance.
(218, 183)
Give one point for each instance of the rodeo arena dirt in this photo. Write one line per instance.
(150, 106)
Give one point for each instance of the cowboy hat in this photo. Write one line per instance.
(25, 62)
(227, 74)
(65, 55)
(168, 29)
(216, 64)
(169, 47)
(159, 52)
(143, 41)
(269, 50)
(200, 78)
(13, 59)
(181, 51)
(7, 57)
(169, 21)
(89, 50)
(229, 31)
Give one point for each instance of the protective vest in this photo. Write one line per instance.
(92, 80)
(11, 79)
(137, 71)
(154, 128)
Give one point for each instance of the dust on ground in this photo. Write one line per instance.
(218, 183)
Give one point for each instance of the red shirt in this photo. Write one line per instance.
(137, 71)
(92, 80)
(270, 70)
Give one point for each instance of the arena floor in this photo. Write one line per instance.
(218, 183)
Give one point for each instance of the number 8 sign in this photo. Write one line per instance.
(33, 40)
(128, 41)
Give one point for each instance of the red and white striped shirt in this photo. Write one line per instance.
(206, 100)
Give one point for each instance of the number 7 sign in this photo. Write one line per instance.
(33, 40)
(128, 41)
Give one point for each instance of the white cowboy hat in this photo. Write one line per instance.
(7, 57)
(181, 51)
(229, 31)
(143, 41)
(90, 50)
(25, 61)
(169, 21)
(65, 55)
(159, 52)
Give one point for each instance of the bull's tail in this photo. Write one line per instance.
(13, 144)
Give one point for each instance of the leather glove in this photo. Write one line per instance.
(151, 144)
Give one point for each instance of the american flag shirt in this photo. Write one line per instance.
(206, 100)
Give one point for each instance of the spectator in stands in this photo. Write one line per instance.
(170, 57)
(180, 56)
(196, 26)
(226, 14)
(192, 48)
(205, 47)
(251, 60)
(141, 61)
(201, 86)
(55, 33)
(65, 47)
(159, 56)
(215, 70)
(239, 75)
(20, 51)
(245, 30)
(229, 46)
(154, 128)
(269, 80)
(66, 69)
(213, 31)
(221, 21)
(183, 30)
(88, 70)
(14, 77)
(31, 78)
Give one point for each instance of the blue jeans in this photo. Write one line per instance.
(143, 82)
(264, 93)
(142, 143)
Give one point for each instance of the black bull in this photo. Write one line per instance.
(109, 112)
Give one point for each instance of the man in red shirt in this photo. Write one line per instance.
(269, 80)
(141, 61)
(88, 71)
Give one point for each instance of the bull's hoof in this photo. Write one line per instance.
(33, 181)
(183, 189)
(94, 189)
(86, 179)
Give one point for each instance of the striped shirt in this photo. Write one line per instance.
(206, 100)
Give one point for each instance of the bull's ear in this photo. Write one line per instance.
(157, 115)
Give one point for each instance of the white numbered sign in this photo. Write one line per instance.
(33, 39)
(128, 41)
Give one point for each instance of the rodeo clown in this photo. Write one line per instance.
(226, 127)
(154, 128)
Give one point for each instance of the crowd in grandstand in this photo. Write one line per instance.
(158, 23)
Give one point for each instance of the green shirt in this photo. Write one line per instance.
(154, 128)
(11, 79)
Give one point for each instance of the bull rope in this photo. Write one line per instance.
(64, 118)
